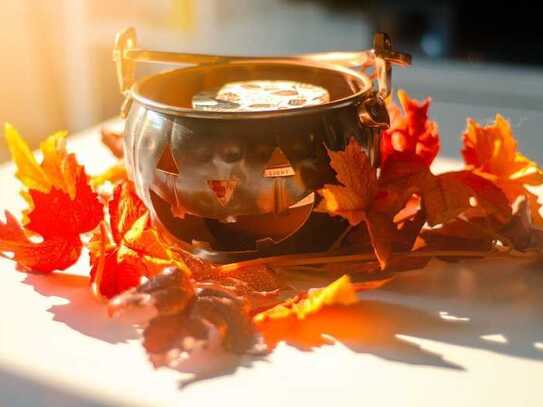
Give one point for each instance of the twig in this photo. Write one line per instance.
(319, 258)
(337, 244)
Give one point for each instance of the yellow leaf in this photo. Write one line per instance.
(29, 172)
(340, 292)
(54, 152)
(114, 174)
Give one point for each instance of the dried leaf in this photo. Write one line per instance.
(381, 229)
(353, 200)
(188, 316)
(169, 293)
(458, 235)
(113, 139)
(227, 313)
(359, 184)
(444, 196)
(492, 152)
(520, 231)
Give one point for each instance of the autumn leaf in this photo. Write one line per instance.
(354, 198)
(491, 151)
(56, 253)
(56, 214)
(109, 276)
(188, 315)
(128, 248)
(326, 314)
(358, 184)
(29, 172)
(169, 293)
(411, 136)
(520, 232)
(447, 195)
(340, 292)
(114, 174)
(113, 139)
(62, 206)
(124, 209)
(444, 196)
(458, 235)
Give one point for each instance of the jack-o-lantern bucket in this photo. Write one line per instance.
(227, 154)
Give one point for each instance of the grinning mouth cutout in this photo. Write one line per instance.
(223, 189)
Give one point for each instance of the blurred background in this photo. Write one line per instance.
(57, 72)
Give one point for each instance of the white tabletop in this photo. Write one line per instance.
(465, 334)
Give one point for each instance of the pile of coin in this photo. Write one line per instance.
(260, 95)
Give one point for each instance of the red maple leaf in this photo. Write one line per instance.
(62, 206)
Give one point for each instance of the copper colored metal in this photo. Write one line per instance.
(231, 185)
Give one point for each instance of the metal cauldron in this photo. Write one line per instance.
(231, 185)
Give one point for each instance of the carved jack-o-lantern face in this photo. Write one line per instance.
(235, 184)
(224, 170)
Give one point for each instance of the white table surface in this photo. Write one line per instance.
(466, 334)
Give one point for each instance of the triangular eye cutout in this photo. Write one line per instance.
(278, 165)
(166, 162)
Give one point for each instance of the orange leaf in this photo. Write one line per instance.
(411, 136)
(55, 253)
(359, 183)
(340, 292)
(109, 276)
(134, 249)
(61, 205)
(56, 214)
(381, 230)
(444, 196)
(492, 152)
(124, 209)
(458, 235)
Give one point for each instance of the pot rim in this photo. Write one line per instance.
(365, 82)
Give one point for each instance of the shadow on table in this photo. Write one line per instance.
(499, 302)
(369, 326)
(490, 305)
(16, 390)
(82, 313)
(493, 305)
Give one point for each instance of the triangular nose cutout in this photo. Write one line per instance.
(278, 165)
(223, 189)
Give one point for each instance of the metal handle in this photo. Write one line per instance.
(126, 55)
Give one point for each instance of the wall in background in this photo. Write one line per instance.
(57, 73)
